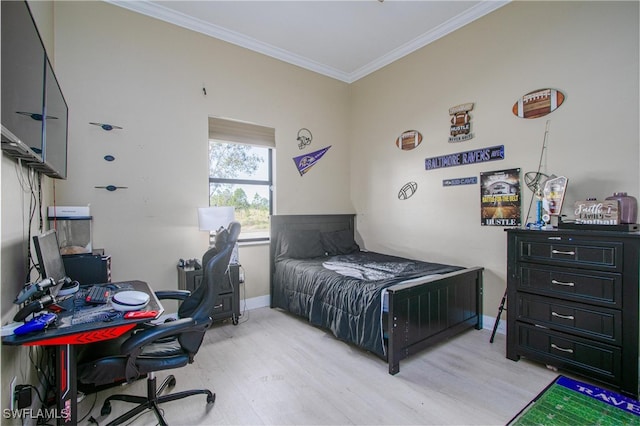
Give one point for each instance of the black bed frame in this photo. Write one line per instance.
(420, 314)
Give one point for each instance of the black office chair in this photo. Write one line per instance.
(164, 346)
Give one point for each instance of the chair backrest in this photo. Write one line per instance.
(215, 263)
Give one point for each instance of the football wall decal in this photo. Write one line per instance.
(407, 190)
(409, 140)
(538, 103)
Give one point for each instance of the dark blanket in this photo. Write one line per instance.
(343, 293)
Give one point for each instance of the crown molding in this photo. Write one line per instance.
(453, 24)
(162, 13)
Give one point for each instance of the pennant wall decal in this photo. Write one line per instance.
(306, 161)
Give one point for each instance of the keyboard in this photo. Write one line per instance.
(97, 295)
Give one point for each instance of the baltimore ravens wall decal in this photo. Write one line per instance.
(481, 155)
(408, 140)
(407, 190)
(471, 180)
(306, 161)
(538, 103)
(460, 129)
(304, 137)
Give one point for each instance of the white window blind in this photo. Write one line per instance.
(227, 130)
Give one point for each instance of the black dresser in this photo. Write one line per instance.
(573, 302)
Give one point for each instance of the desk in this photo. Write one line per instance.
(67, 336)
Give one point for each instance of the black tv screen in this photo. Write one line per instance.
(23, 67)
(55, 126)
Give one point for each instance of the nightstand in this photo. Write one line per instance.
(229, 303)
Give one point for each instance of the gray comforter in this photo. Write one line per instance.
(343, 293)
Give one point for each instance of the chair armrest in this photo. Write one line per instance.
(173, 294)
(133, 345)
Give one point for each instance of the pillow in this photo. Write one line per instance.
(339, 242)
(301, 244)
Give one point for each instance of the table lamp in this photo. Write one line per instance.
(213, 218)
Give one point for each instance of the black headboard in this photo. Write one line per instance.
(323, 223)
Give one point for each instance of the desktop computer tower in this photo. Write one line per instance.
(90, 268)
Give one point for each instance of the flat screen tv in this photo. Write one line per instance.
(55, 127)
(34, 112)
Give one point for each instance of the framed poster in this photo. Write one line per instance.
(500, 198)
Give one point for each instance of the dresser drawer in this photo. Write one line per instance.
(560, 250)
(599, 361)
(575, 318)
(594, 287)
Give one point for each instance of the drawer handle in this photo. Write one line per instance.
(570, 253)
(217, 306)
(569, 317)
(563, 283)
(554, 238)
(561, 349)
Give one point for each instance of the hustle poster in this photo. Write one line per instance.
(500, 198)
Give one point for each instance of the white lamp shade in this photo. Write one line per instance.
(213, 218)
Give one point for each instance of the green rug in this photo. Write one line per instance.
(572, 403)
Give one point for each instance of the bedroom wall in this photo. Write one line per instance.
(589, 50)
(145, 75)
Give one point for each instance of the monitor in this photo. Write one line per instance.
(49, 258)
(23, 68)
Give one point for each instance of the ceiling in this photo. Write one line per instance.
(345, 40)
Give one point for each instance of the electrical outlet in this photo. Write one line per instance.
(12, 395)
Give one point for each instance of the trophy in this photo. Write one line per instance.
(553, 196)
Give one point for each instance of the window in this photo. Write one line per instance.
(240, 174)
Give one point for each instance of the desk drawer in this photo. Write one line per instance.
(575, 318)
(567, 251)
(600, 361)
(595, 287)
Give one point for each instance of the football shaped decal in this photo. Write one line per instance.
(409, 140)
(407, 190)
(538, 104)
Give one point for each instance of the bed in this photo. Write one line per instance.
(391, 306)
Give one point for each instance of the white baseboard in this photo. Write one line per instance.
(255, 303)
(488, 323)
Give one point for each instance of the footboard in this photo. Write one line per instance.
(422, 314)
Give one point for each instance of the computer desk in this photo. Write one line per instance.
(65, 338)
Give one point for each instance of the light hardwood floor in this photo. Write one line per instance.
(276, 369)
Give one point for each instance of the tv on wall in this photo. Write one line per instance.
(34, 111)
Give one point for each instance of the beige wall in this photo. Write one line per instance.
(147, 76)
(588, 50)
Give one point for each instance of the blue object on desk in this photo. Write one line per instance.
(36, 324)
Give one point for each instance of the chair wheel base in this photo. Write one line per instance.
(106, 409)
(211, 399)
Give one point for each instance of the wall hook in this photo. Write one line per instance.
(107, 127)
(111, 188)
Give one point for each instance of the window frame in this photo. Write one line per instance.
(268, 183)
